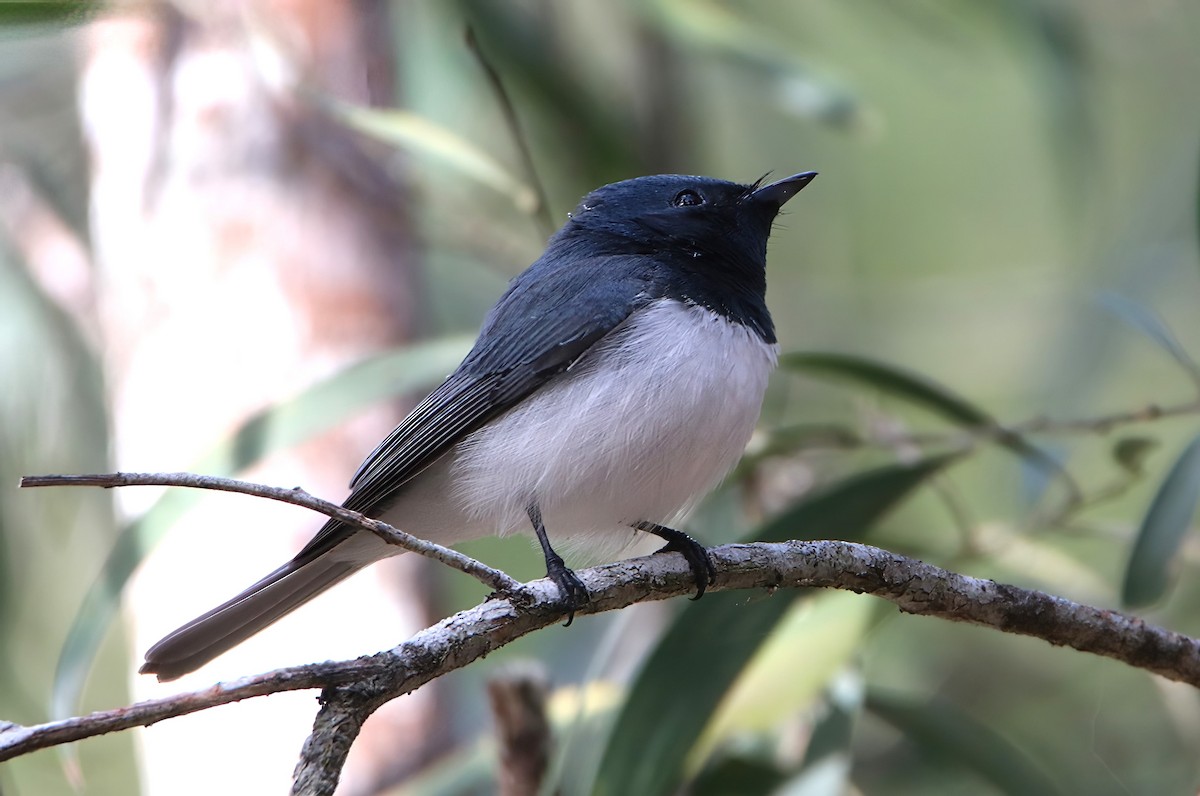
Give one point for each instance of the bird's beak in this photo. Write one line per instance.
(778, 192)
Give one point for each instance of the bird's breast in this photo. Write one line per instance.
(639, 428)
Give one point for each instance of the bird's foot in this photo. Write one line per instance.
(703, 569)
(571, 591)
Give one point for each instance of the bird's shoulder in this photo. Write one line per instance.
(548, 317)
(558, 307)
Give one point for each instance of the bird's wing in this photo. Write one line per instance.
(549, 317)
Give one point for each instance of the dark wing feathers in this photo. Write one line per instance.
(439, 417)
(548, 318)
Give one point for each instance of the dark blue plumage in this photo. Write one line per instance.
(654, 287)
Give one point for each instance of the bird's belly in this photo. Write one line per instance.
(640, 428)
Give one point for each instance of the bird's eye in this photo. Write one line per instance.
(687, 198)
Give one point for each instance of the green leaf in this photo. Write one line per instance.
(942, 730)
(738, 774)
(832, 734)
(828, 758)
(1153, 326)
(693, 667)
(289, 423)
(422, 136)
(769, 689)
(103, 600)
(43, 12)
(928, 394)
(1131, 453)
(1170, 515)
(332, 401)
(909, 386)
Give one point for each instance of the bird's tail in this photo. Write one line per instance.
(232, 622)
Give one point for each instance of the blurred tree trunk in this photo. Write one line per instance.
(247, 246)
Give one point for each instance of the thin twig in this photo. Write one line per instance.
(964, 438)
(1100, 424)
(960, 515)
(914, 586)
(542, 211)
(492, 578)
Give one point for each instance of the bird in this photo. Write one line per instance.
(614, 384)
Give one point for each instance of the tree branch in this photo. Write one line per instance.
(915, 587)
(492, 578)
(340, 719)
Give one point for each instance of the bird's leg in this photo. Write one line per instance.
(703, 569)
(570, 587)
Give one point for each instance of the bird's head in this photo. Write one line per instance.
(693, 216)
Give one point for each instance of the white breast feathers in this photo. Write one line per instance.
(640, 428)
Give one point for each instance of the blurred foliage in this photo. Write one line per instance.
(46, 12)
(672, 700)
(52, 418)
(284, 425)
(1002, 239)
(1156, 548)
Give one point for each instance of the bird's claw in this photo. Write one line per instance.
(703, 569)
(571, 591)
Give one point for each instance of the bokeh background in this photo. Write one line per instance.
(242, 236)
